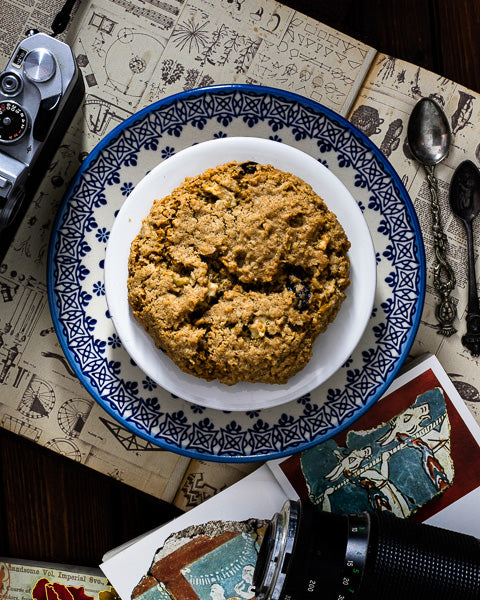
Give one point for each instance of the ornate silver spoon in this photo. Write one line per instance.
(429, 139)
(465, 203)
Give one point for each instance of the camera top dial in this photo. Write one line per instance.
(13, 122)
(41, 88)
(39, 65)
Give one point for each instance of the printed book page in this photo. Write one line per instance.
(413, 454)
(381, 111)
(32, 580)
(132, 53)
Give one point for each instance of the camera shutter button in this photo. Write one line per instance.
(39, 65)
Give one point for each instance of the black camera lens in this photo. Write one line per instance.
(308, 553)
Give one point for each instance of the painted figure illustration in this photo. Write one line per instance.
(395, 467)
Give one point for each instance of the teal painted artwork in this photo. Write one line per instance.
(226, 572)
(157, 592)
(396, 467)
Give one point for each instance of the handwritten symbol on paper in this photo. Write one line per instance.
(196, 490)
(334, 94)
(38, 399)
(236, 3)
(190, 35)
(129, 440)
(171, 71)
(102, 23)
(273, 23)
(415, 89)
(387, 69)
(23, 428)
(73, 415)
(65, 447)
(461, 116)
(257, 15)
(61, 359)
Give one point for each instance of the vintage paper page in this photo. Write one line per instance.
(23, 580)
(202, 481)
(381, 111)
(132, 53)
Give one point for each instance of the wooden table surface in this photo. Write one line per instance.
(53, 509)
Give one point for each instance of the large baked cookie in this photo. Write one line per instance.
(237, 272)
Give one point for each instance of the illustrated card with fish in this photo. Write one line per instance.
(411, 454)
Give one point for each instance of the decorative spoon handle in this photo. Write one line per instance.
(443, 275)
(471, 339)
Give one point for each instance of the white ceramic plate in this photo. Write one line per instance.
(331, 349)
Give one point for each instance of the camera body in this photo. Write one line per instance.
(40, 90)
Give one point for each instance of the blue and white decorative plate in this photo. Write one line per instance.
(76, 273)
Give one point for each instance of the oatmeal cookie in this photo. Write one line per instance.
(237, 272)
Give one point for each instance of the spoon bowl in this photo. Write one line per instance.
(465, 191)
(428, 133)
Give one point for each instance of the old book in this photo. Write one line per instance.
(21, 579)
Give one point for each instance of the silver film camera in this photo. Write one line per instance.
(40, 91)
(311, 554)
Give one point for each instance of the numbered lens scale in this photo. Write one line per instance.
(355, 556)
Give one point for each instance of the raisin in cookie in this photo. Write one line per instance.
(237, 272)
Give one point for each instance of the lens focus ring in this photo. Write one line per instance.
(409, 560)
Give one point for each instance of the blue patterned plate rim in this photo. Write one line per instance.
(334, 117)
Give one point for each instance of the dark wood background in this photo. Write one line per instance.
(52, 509)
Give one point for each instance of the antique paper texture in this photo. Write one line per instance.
(381, 111)
(132, 53)
(24, 580)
